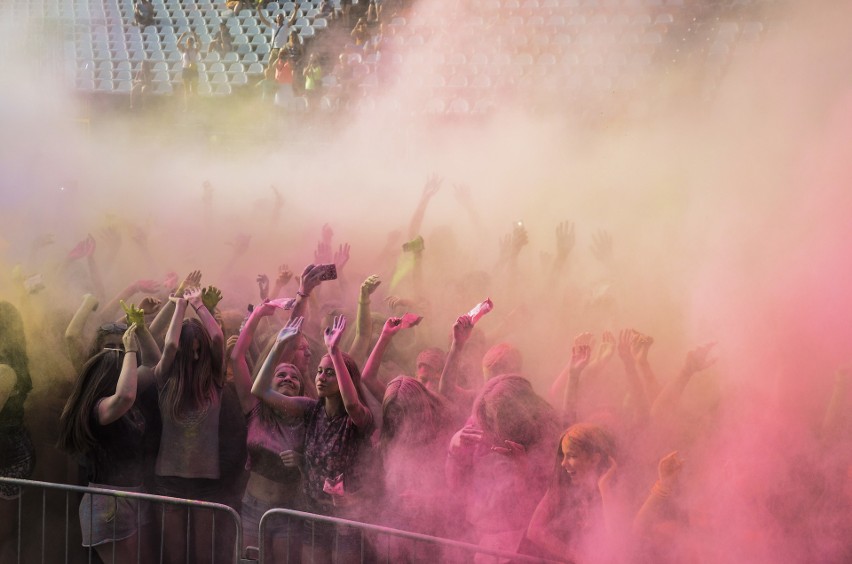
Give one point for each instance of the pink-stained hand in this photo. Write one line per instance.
(581, 353)
(83, 249)
(462, 329)
(392, 326)
(510, 449)
(322, 254)
(170, 282)
(341, 257)
(465, 440)
(334, 334)
(150, 304)
(146, 286)
(669, 469)
(699, 359)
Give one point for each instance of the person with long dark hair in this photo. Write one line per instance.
(104, 428)
(337, 442)
(189, 382)
(17, 453)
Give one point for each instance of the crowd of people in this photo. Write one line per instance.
(402, 401)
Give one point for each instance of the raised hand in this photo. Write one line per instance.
(699, 358)
(605, 349)
(334, 333)
(581, 353)
(210, 297)
(392, 326)
(519, 239)
(433, 184)
(192, 280)
(625, 343)
(83, 249)
(564, 239)
(132, 314)
(640, 345)
(462, 329)
(170, 282)
(146, 286)
(602, 246)
(369, 286)
(322, 254)
(150, 304)
(129, 339)
(669, 470)
(284, 276)
(263, 286)
(193, 296)
(341, 257)
(289, 331)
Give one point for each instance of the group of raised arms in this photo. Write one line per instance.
(489, 405)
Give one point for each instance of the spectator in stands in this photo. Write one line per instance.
(141, 85)
(326, 9)
(143, 13)
(222, 42)
(500, 460)
(190, 382)
(275, 441)
(574, 505)
(279, 33)
(360, 34)
(237, 6)
(344, 72)
(296, 56)
(284, 75)
(103, 424)
(190, 58)
(337, 442)
(313, 80)
(17, 453)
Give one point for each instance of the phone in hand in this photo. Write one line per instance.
(327, 272)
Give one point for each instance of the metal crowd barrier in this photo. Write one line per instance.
(154, 500)
(378, 544)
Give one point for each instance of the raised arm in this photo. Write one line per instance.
(581, 354)
(370, 375)
(112, 307)
(696, 360)
(639, 348)
(196, 298)
(113, 407)
(242, 375)
(433, 184)
(262, 387)
(170, 346)
(447, 385)
(161, 322)
(359, 412)
(74, 332)
(363, 322)
(649, 514)
(149, 351)
(626, 337)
